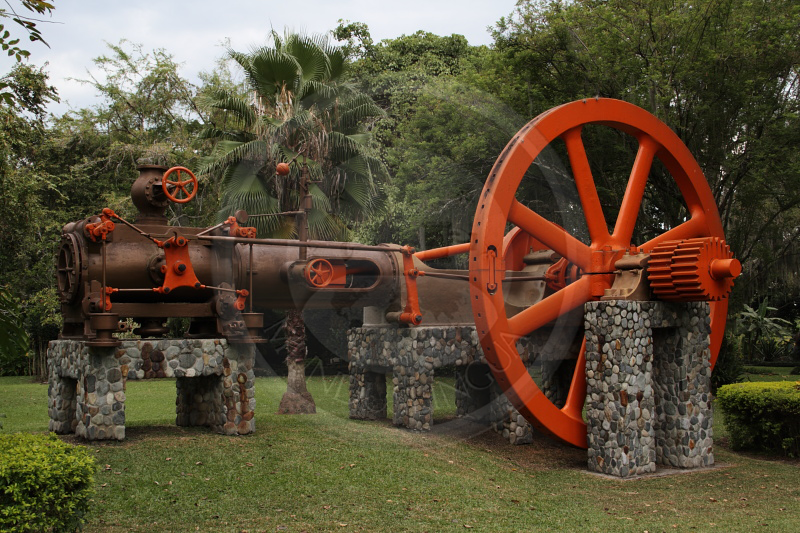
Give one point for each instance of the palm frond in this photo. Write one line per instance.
(353, 113)
(343, 147)
(318, 93)
(298, 110)
(313, 61)
(270, 71)
(319, 198)
(325, 226)
(224, 100)
(337, 61)
(229, 153)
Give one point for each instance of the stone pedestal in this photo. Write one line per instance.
(215, 384)
(63, 404)
(412, 357)
(413, 398)
(368, 395)
(474, 391)
(557, 376)
(506, 420)
(682, 376)
(648, 386)
(86, 391)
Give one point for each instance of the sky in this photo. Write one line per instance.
(194, 32)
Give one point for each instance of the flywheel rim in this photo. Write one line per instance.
(498, 206)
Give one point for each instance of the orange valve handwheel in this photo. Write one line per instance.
(188, 187)
(499, 206)
(319, 273)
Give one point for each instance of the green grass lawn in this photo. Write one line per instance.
(325, 472)
(769, 373)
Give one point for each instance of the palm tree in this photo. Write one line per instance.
(295, 108)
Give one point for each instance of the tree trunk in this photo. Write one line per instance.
(296, 400)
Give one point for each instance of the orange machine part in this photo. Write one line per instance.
(692, 270)
(440, 253)
(98, 231)
(235, 230)
(411, 314)
(320, 273)
(561, 274)
(498, 206)
(180, 185)
(516, 245)
(178, 270)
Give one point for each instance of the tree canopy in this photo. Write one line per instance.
(399, 135)
(297, 108)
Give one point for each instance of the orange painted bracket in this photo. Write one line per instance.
(411, 314)
(178, 270)
(107, 303)
(98, 231)
(235, 230)
(241, 298)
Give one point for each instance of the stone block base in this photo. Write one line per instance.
(648, 386)
(413, 355)
(368, 395)
(215, 384)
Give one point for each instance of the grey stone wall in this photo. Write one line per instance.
(620, 401)
(215, 384)
(86, 391)
(682, 375)
(368, 395)
(412, 356)
(648, 386)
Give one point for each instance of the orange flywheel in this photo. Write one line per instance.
(593, 252)
(692, 270)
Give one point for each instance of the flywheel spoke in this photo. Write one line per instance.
(632, 201)
(576, 396)
(694, 227)
(584, 182)
(551, 307)
(551, 235)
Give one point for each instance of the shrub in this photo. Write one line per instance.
(762, 416)
(45, 484)
(769, 349)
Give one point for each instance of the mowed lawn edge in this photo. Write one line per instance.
(325, 472)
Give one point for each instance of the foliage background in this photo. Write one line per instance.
(722, 73)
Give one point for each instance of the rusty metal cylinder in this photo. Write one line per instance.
(278, 279)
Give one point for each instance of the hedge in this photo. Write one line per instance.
(762, 416)
(45, 484)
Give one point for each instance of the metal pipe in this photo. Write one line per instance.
(212, 228)
(439, 253)
(351, 246)
(134, 227)
(285, 213)
(103, 296)
(302, 218)
(250, 275)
